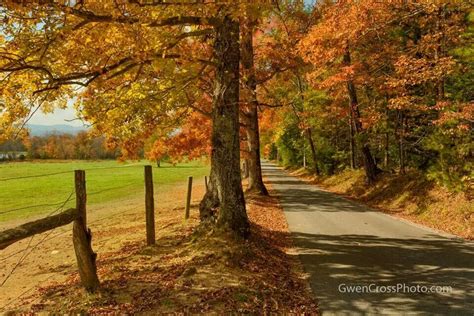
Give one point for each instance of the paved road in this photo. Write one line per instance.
(342, 242)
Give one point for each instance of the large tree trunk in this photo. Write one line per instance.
(352, 144)
(308, 132)
(386, 150)
(225, 182)
(387, 136)
(255, 181)
(401, 142)
(370, 167)
(309, 135)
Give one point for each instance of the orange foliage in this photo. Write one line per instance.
(190, 141)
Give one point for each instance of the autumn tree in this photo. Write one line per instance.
(189, 141)
(52, 48)
(250, 107)
(331, 46)
(406, 63)
(280, 68)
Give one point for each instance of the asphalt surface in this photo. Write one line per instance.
(342, 243)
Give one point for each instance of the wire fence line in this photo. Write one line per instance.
(52, 237)
(25, 253)
(69, 200)
(46, 238)
(114, 188)
(72, 198)
(68, 171)
(60, 206)
(34, 176)
(34, 242)
(93, 193)
(30, 207)
(37, 244)
(60, 203)
(102, 219)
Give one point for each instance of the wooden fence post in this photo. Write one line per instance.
(188, 197)
(150, 207)
(82, 237)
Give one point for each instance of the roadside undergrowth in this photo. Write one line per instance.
(189, 271)
(409, 196)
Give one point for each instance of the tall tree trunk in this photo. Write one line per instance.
(387, 136)
(370, 167)
(309, 135)
(439, 53)
(401, 142)
(308, 132)
(255, 181)
(225, 139)
(386, 150)
(352, 144)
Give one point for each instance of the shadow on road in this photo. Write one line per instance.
(365, 260)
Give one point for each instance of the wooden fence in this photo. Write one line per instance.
(82, 236)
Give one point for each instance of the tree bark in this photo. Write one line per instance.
(352, 144)
(308, 132)
(225, 155)
(309, 135)
(401, 142)
(370, 167)
(386, 150)
(387, 136)
(255, 180)
(440, 91)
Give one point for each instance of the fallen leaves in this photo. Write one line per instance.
(192, 271)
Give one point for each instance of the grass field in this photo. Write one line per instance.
(25, 192)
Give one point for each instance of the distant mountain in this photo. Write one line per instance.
(41, 130)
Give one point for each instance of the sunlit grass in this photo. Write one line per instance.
(22, 185)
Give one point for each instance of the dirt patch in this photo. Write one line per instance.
(188, 271)
(49, 257)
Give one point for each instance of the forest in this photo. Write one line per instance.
(384, 87)
(60, 146)
(377, 96)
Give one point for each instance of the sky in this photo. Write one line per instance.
(58, 117)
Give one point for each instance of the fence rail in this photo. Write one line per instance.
(13, 235)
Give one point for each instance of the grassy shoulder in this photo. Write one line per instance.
(409, 196)
(39, 187)
(188, 271)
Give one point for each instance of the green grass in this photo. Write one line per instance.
(20, 186)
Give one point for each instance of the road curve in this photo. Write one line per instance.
(343, 244)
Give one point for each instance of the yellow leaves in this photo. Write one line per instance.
(113, 47)
(88, 40)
